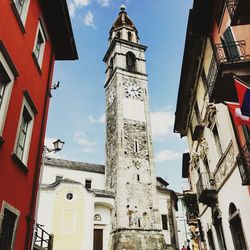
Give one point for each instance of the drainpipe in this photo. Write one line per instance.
(31, 216)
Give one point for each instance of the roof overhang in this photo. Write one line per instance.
(57, 19)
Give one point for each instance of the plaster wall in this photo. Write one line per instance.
(50, 173)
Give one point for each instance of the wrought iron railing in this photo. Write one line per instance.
(231, 52)
(231, 6)
(243, 160)
(225, 53)
(42, 238)
(205, 183)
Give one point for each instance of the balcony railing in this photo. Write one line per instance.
(230, 53)
(231, 6)
(243, 160)
(42, 240)
(206, 190)
(239, 11)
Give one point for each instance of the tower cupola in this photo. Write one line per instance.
(124, 28)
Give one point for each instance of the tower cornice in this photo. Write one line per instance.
(117, 40)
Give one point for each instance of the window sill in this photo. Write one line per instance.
(19, 20)
(36, 63)
(1, 140)
(20, 164)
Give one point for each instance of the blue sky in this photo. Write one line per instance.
(77, 108)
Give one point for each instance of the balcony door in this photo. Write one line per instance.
(230, 47)
(98, 239)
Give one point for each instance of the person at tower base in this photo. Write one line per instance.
(183, 248)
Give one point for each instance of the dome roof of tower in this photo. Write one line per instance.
(123, 20)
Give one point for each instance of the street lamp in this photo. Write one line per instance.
(58, 144)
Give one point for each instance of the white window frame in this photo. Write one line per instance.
(25, 155)
(7, 92)
(24, 11)
(6, 205)
(42, 32)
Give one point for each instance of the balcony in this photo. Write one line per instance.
(229, 59)
(239, 11)
(42, 239)
(243, 160)
(190, 202)
(206, 190)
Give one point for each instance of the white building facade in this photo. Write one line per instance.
(77, 209)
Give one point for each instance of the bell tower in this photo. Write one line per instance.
(130, 172)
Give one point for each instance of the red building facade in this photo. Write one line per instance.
(33, 34)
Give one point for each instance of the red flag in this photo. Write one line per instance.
(243, 92)
(238, 118)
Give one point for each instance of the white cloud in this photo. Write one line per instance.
(100, 119)
(82, 139)
(104, 3)
(88, 20)
(72, 9)
(81, 3)
(167, 155)
(162, 123)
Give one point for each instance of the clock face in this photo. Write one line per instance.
(133, 90)
(111, 96)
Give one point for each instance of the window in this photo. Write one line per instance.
(164, 220)
(229, 45)
(69, 196)
(217, 221)
(24, 132)
(136, 147)
(204, 80)
(138, 177)
(129, 36)
(88, 184)
(111, 65)
(2, 89)
(97, 217)
(59, 177)
(7, 77)
(8, 226)
(20, 8)
(130, 61)
(39, 45)
(217, 140)
(118, 34)
(236, 228)
(210, 239)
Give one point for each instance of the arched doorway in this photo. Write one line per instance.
(236, 228)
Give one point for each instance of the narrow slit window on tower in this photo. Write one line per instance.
(139, 223)
(118, 34)
(129, 36)
(136, 146)
(111, 65)
(138, 177)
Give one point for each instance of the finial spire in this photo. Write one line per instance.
(122, 8)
